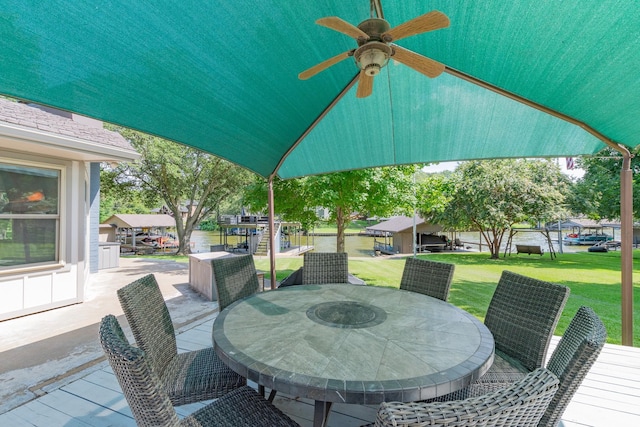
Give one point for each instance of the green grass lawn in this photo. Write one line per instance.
(594, 280)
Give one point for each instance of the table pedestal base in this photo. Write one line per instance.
(321, 413)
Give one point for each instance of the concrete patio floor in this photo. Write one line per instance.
(47, 347)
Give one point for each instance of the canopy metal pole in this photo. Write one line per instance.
(414, 240)
(626, 242)
(272, 243)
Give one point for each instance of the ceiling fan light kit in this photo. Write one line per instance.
(372, 56)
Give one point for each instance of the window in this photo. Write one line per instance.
(29, 215)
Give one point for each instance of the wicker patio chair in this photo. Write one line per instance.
(427, 277)
(576, 352)
(325, 267)
(236, 278)
(520, 405)
(186, 377)
(522, 316)
(150, 404)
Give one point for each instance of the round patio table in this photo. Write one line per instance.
(352, 344)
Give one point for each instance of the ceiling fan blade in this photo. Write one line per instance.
(365, 85)
(342, 26)
(323, 65)
(422, 64)
(430, 21)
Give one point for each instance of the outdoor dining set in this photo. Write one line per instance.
(418, 358)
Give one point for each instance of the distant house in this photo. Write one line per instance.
(49, 204)
(184, 212)
(323, 213)
(398, 235)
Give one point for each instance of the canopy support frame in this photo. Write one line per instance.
(272, 243)
(626, 198)
(315, 123)
(626, 195)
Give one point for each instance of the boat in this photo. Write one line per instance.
(590, 238)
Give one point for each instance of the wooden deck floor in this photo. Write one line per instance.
(609, 396)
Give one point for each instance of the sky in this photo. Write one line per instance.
(449, 166)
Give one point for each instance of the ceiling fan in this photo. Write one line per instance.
(374, 37)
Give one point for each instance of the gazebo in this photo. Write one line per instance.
(521, 79)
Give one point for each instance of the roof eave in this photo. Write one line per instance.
(85, 150)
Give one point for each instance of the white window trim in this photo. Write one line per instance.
(61, 217)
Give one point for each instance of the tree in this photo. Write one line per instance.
(493, 195)
(379, 191)
(121, 196)
(291, 198)
(597, 193)
(182, 176)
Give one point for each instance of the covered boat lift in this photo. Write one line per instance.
(398, 236)
(594, 231)
(154, 226)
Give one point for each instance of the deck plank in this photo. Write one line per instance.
(195, 339)
(99, 396)
(12, 419)
(609, 395)
(38, 414)
(588, 414)
(85, 410)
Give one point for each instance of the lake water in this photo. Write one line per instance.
(358, 246)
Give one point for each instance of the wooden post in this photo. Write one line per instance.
(414, 241)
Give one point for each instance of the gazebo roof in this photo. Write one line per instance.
(223, 76)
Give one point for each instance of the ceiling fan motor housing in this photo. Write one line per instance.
(374, 28)
(372, 54)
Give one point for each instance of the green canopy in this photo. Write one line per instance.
(523, 79)
(222, 76)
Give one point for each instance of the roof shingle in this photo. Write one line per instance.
(32, 117)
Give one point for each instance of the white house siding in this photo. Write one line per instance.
(33, 289)
(30, 136)
(94, 217)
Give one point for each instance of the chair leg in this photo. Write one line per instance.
(272, 395)
(261, 390)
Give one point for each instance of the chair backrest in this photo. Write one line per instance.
(325, 267)
(293, 279)
(427, 277)
(520, 405)
(522, 316)
(236, 278)
(140, 384)
(576, 352)
(150, 322)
